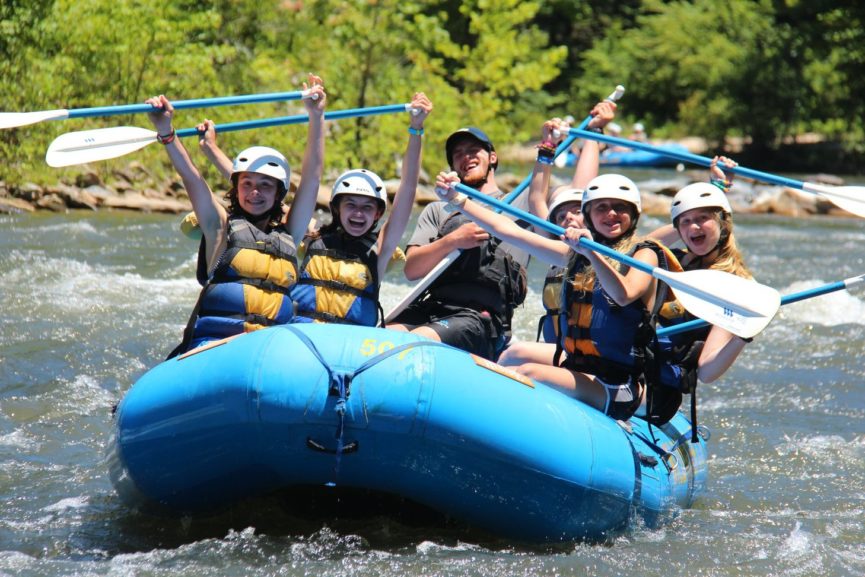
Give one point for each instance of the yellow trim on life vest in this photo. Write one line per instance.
(250, 263)
(351, 273)
(262, 302)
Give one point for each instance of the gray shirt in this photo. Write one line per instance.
(434, 216)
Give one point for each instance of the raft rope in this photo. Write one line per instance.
(339, 386)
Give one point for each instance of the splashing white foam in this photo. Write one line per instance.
(836, 308)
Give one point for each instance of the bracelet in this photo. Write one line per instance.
(598, 130)
(724, 185)
(166, 138)
(546, 152)
(415, 131)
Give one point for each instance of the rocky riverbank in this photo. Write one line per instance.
(134, 188)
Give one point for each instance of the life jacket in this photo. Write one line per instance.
(485, 278)
(676, 360)
(249, 287)
(615, 342)
(599, 336)
(339, 281)
(551, 297)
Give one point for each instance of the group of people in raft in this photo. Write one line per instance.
(597, 341)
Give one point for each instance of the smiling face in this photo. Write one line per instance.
(568, 214)
(357, 213)
(256, 193)
(611, 218)
(472, 161)
(700, 229)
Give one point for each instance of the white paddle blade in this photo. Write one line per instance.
(100, 144)
(738, 305)
(16, 119)
(850, 198)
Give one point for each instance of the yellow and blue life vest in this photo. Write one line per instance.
(249, 287)
(551, 297)
(339, 280)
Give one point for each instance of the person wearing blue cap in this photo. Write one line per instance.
(470, 305)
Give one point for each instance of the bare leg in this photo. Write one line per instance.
(421, 330)
(527, 352)
(579, 385)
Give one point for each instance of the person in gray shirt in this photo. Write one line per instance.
(471, 304)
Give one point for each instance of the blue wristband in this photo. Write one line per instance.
(415, 131)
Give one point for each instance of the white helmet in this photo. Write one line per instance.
(614, 128)
(263, 160)
(614, 186)
(361, 182)
(565, 196)
(699, 195)
(638, 127)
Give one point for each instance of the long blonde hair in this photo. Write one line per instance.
(729, 257)
(585, 277)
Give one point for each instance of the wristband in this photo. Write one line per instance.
(598, 130)
(724, 185)
(166, 138)
(415, 131)
(546, 152)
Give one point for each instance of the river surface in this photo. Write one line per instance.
(92, 300)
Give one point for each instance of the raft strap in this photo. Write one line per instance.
(339, 385)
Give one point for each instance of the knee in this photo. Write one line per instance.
(513, 355)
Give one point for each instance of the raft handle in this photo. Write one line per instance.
(346, 449)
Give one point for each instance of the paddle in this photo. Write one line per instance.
(420, 287)
(785, 300)
(511, 197)
(850, 198)
(741, 306)
(562, 147)
(16, 119)
(104, 143)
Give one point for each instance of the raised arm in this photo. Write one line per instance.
(303, 204)
(207, 145)
(547, 249)
(588, 164)
(551, 135)
(210, 214)
(403, 201)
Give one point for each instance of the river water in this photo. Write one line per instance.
(92, 300)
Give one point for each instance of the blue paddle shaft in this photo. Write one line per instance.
(181, 104)
(552, 228)
(561, 148)
(299, 119)
(687, 157)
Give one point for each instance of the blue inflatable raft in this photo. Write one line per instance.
(314, 405)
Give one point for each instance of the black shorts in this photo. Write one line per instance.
(463, 328)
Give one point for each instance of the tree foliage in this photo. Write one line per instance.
(762, 69)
